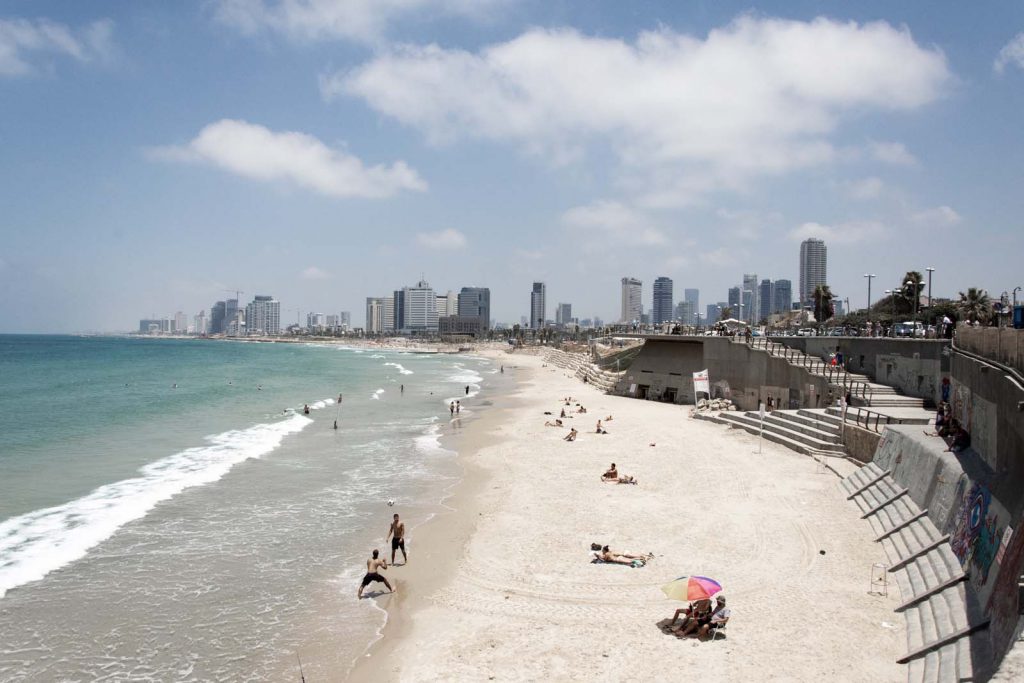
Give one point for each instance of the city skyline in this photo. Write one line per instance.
(134, 182)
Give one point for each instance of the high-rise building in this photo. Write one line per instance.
(837, 307)
(416, 308)
(783, 290)
(316, 321)
(180, 323)
(200, 323)
(345, 320)
(750, 303)
(711, 314)
(684, 312)
(734, 301)
(476, 301)
(230, 311)
(661, 311)
(765, 299)
(388, 318)
(632, 300)
(693, 296)
(263, 315)
(538, 305)
(447, 304)
(563, 314)
(813, 268)
(218, 313)
(374, 315)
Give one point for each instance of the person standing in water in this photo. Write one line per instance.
(374, 566)
(458, 407)
(398, 542)
(451, 408)
(467, 390)
(305, 409)
(401, 389)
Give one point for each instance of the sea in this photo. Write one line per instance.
(169, 512)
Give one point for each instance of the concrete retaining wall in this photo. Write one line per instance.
(860, 443)
(1003, 344)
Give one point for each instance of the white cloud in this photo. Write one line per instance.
(252, 151)
(940, 216)
(865, 188)
(850, 232)
(695, 114)
(719, 257)
(360, 20)
(892, 153)
(443, 239)
(614, 222)
(1012, 54)
(23, 41)
(314, 273)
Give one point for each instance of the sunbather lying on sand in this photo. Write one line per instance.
(608, 419)
(608, 555)
(612, 477)
(556, 423)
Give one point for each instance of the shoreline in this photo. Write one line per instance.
(443, 535)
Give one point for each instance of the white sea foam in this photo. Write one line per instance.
(398, 366)
(36, 543)
(377, 355)
(430, 442)
(376, 394)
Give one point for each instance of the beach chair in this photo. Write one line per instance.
(717, 629)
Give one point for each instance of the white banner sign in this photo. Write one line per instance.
(701, 382)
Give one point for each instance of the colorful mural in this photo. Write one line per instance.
(976, 533)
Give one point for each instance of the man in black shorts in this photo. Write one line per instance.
(373, 567)
(398, 542)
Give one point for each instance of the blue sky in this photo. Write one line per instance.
(155, 154)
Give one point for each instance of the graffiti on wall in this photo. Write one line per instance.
(976, 532)
(962, 408)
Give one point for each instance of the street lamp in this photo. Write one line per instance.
(917, 300)
(1015, 297)
(869, 276)
(930, 271)
(892, 298)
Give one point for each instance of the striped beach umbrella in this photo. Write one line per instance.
(691, 588)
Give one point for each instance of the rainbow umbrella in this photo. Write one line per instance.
(691, 588)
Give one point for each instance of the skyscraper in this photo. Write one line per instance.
(263, 315)
(218, 313)
(476, 301)
(374, 315)
(813, 268)
(632, 303)
(662, 309)
(765, 299)
(711, 314)
(783, 296)
(563, 314)
(416, 307)
(734, 301)
(684, 312)
(750, 301)
(693, 297)
(538, 305)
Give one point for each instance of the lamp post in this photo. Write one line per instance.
(930, 271)
(1015, 296)
(869, 276)
(917, 300)
(892, 299)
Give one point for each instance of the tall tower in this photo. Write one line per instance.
(692, 296)
(662, 300)
(813, 270)
(538, 305)
(632, 303)
(750, 301)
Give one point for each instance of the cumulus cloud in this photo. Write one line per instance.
(23, 42)
(252, 151)
(314, 273)
(443, 239)
(892, 153)
(615, 222)
(940, 216)
(850, 232)
(865, 188)
(758, 96)
(360, 20)
(1012, 54)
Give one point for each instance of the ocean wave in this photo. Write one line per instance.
(376, 394)
(430, 442)
(377, 355)
(398, 366)
(36, 543)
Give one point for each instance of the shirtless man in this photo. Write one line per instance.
(398, 542)
(373, 567)
(622, 558)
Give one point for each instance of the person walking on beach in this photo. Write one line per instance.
(398, 542)
(451, 408)
(401, 389)
(467, 390)
(374, 566)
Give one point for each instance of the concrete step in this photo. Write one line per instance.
(778, 420)
(860, 477)
(800, 446)
(812, 422)
(753, 423)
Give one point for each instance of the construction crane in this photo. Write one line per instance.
(237, 292)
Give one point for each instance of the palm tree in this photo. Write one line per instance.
(823, 308)
(975, 305)
(725, 314)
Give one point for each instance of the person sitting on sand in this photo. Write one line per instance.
(718, 619)
(698, 614)
(581, 409)
(563, 413)
(374, 566)
(600, 429)
(608, 555)
(571, 436)
(608, 419)
(612, 477)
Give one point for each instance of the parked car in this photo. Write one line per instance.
(908, 329)
(806, 332)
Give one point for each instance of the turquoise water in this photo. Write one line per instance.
(168, 511)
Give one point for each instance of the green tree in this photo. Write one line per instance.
(725, 314)
(823, 308)
(974, 305)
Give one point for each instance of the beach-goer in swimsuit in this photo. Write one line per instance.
(374, 566)
(305, 409)
(571, 436)
(608, 555)
(398, 542)
(451, 408)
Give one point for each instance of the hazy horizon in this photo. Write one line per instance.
(157, 156)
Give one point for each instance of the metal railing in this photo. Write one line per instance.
(870, 419)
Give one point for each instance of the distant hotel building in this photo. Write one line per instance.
(661, 312)
(563, 314)
(813, 268)
(538, 305)
(263, 316)
(374, 315)
(632, 301)
(475, 301)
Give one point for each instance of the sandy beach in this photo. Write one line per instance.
(503, 588)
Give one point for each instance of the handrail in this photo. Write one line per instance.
(984, 359)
